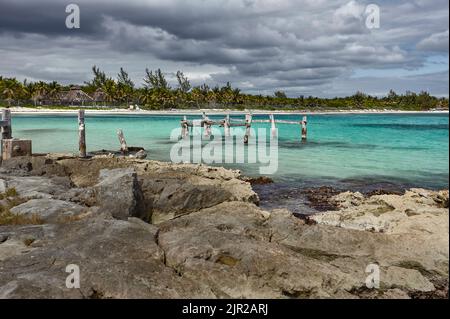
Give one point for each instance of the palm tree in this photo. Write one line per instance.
(125, 87)
(10, 89)
(31, 91)
(236, 96)
(110, 90)
(53, 89)
(155, 80)
(145, 96)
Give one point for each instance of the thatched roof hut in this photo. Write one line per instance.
(99, 96)
(75, 95)
(39, 98)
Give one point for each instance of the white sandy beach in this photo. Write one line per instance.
(44, 111)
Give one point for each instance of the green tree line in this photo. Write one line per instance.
(156, 93)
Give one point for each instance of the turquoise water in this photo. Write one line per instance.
(344, 150)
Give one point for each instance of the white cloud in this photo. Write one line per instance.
(260, 45)
(437, 42)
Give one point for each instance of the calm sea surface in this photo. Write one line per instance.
(347, 151)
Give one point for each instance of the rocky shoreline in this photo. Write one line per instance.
(146, 229)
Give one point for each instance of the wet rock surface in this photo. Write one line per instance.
(205, 237)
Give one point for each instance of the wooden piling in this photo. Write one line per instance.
(274, 127)
(6, 124)
(304, 123)
(248, 126)
(206, 125)
(184, 127)
(226, 125)
(122, 141)
(81, 134)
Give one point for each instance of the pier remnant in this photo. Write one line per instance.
(226, 126)
(304, 123)
(15, 147)
(248, 126)
(184, 127)
(81, 134)
(12, 147)
(122, 141)
(273, 126)
(207, 125)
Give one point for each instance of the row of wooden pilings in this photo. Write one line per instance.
(226, 123)
(205, 122)
(16, 147)
(82, 136)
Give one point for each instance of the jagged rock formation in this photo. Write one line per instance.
(143, 229)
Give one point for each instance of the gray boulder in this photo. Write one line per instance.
(30, 187)
(118, 192)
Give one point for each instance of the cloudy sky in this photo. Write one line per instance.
(304, 47)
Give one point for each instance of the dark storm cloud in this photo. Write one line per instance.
(260, 45)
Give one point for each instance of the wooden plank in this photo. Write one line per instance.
(81, 134)
(286, 122)
(276, 121)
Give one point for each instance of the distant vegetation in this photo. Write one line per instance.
(156, 94)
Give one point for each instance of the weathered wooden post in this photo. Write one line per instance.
(12, 147)
(226, 125)
(304, 123)
(206, 125)
(248, 126)
(6, 124)
(81, 134)
(122, 141)
(274, 127)
(184, 127)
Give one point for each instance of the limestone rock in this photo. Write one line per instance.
(11, 247)
(3, 187)
(118, 193)
(117, 259)
(30, 187)
(211, 240)
(390, 213)
(49, 210)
